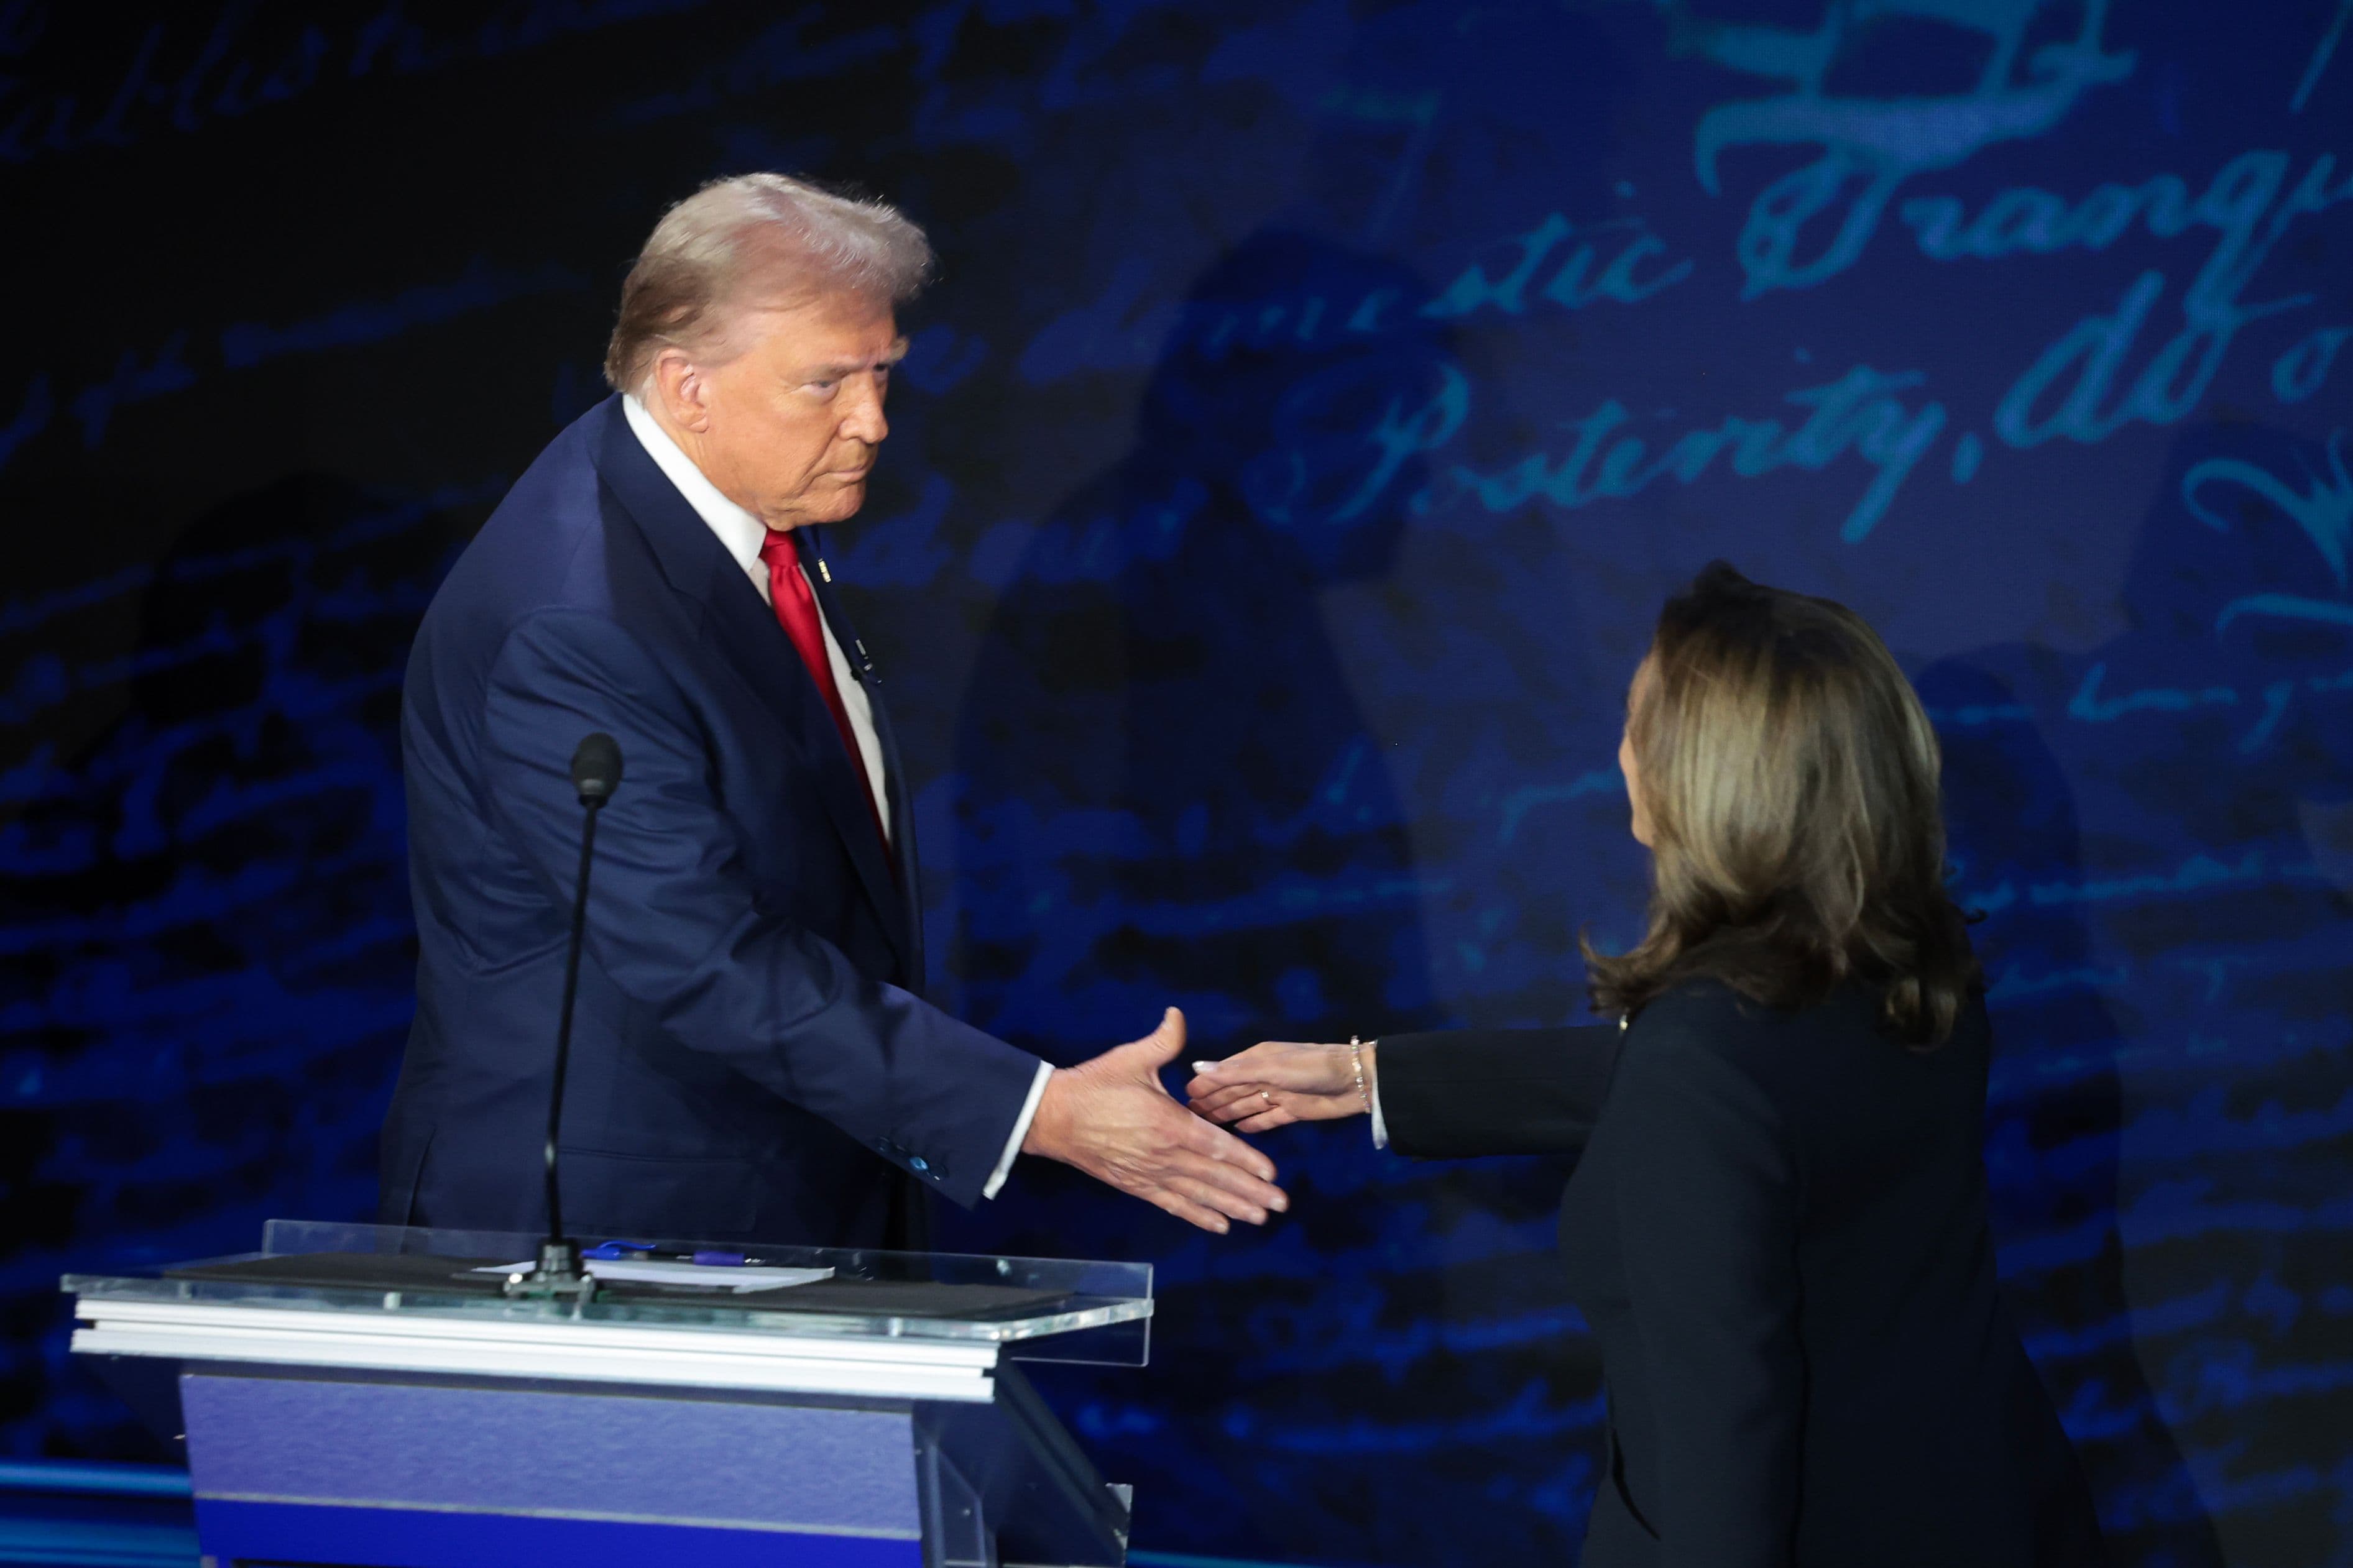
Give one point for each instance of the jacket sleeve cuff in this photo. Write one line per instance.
(1020, 1130)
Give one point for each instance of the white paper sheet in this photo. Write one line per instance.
(736, 1277)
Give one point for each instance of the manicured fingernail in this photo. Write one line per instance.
(1203, 1067)
(1222, 1226)
(1282, 1205)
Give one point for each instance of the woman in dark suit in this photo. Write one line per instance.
(1776, 1225)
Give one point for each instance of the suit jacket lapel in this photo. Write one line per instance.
(734, 615)
(898, 808)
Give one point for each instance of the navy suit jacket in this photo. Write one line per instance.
(750, 1058)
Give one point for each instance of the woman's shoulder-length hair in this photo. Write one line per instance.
(1790, 779)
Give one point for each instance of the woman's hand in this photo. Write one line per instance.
(1277, 1082)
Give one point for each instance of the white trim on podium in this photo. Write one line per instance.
(539, 1348)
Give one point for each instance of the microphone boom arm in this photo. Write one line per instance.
(595, 772)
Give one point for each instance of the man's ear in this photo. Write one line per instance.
(683, 390)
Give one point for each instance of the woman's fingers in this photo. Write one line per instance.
(1218, 1098)
(1251, 1109)
(1283, 1064)
(1239, 1099)
(1274, 1084)
(1233, 1111)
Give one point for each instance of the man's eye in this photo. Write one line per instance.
(823, 388)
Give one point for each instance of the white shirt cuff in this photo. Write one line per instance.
(1380, 1126)
(1020, 1130)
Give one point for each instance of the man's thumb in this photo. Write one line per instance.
(1165, 1044)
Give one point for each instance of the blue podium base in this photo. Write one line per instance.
(318, 1470)
(238, 1535)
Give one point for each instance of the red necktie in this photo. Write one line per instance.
(797, 612)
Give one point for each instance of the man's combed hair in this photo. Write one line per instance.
(756, 240)
(1797, 838)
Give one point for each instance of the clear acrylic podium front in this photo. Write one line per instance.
(368, 1396)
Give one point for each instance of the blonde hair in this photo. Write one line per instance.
(1791, 782)
(755, 238)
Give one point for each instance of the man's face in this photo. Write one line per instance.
(789, 428)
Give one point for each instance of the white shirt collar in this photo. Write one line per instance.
(738, 529)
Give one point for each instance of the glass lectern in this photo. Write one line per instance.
(376, 1397)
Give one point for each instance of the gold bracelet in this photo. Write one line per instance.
(1356, 1062)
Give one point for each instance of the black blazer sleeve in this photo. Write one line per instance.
(1467, 1092)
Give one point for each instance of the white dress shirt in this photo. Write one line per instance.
(743, 534)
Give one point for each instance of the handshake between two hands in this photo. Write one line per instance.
(1112, 1118)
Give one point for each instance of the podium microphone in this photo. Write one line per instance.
(596, 773)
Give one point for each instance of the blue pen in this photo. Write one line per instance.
(623, 1251)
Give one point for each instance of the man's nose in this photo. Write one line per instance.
(863, 421)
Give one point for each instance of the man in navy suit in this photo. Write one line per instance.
(752, 1056)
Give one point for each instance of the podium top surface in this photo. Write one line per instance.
(385, 1274)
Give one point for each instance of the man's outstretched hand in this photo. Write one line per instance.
(1111, 1119)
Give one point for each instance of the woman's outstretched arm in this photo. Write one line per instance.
(1449, 1095)
(1467, 1092)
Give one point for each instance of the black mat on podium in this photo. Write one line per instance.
(447, 1276)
